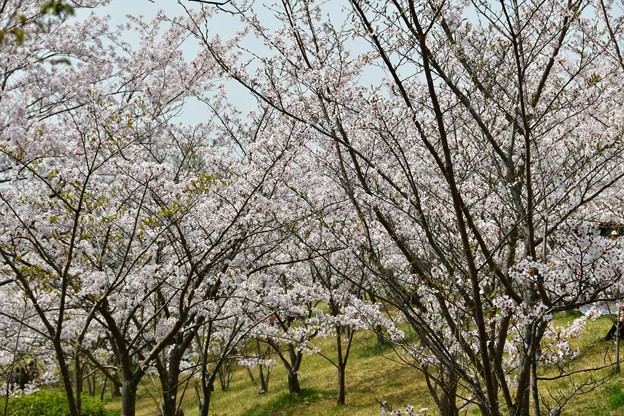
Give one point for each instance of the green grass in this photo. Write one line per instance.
(616, 396)
(374, 375)
(50, 403)
(284, 402)
(371, 378)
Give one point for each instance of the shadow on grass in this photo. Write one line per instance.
(284, 401)
(371, 349)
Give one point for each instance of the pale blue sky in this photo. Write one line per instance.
(223, 24)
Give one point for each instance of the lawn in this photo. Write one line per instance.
(374, 375)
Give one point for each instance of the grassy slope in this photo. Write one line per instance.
(372, 376)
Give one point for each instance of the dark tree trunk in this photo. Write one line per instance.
(341, 384)
(293, 369)
(264, 371)
(226, 371)
(128, 398)
(379, 335)
(115, 390)
(443, 388)
(341, 366)
(170, 374)
(448, 407)
(264, 379)
(344, 338)
(74, 409)
(204, 402)
(170, 393)
(293, 382)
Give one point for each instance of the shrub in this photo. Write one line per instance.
(51, 404)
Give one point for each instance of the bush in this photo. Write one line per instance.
(51, 404)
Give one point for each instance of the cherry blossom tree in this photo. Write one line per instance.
(489, 132)
(122, 227)
(455, 160)
(86, 141)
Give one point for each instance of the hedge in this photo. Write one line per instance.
(50, 404)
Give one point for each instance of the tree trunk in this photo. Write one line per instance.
(115, 390)
(204, 403)
(169, 373)
(617, 344)
(293, 382)
(169, 382)
(379, 335)
(264, 379)
(448, 407)
(341, 366)
(292, 366)
(128, 398)
(170, 395)
(341, 384)
(448, 393)
(74, 410)
(442, 384)
(78, 379)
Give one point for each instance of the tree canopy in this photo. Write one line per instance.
(450, 168)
